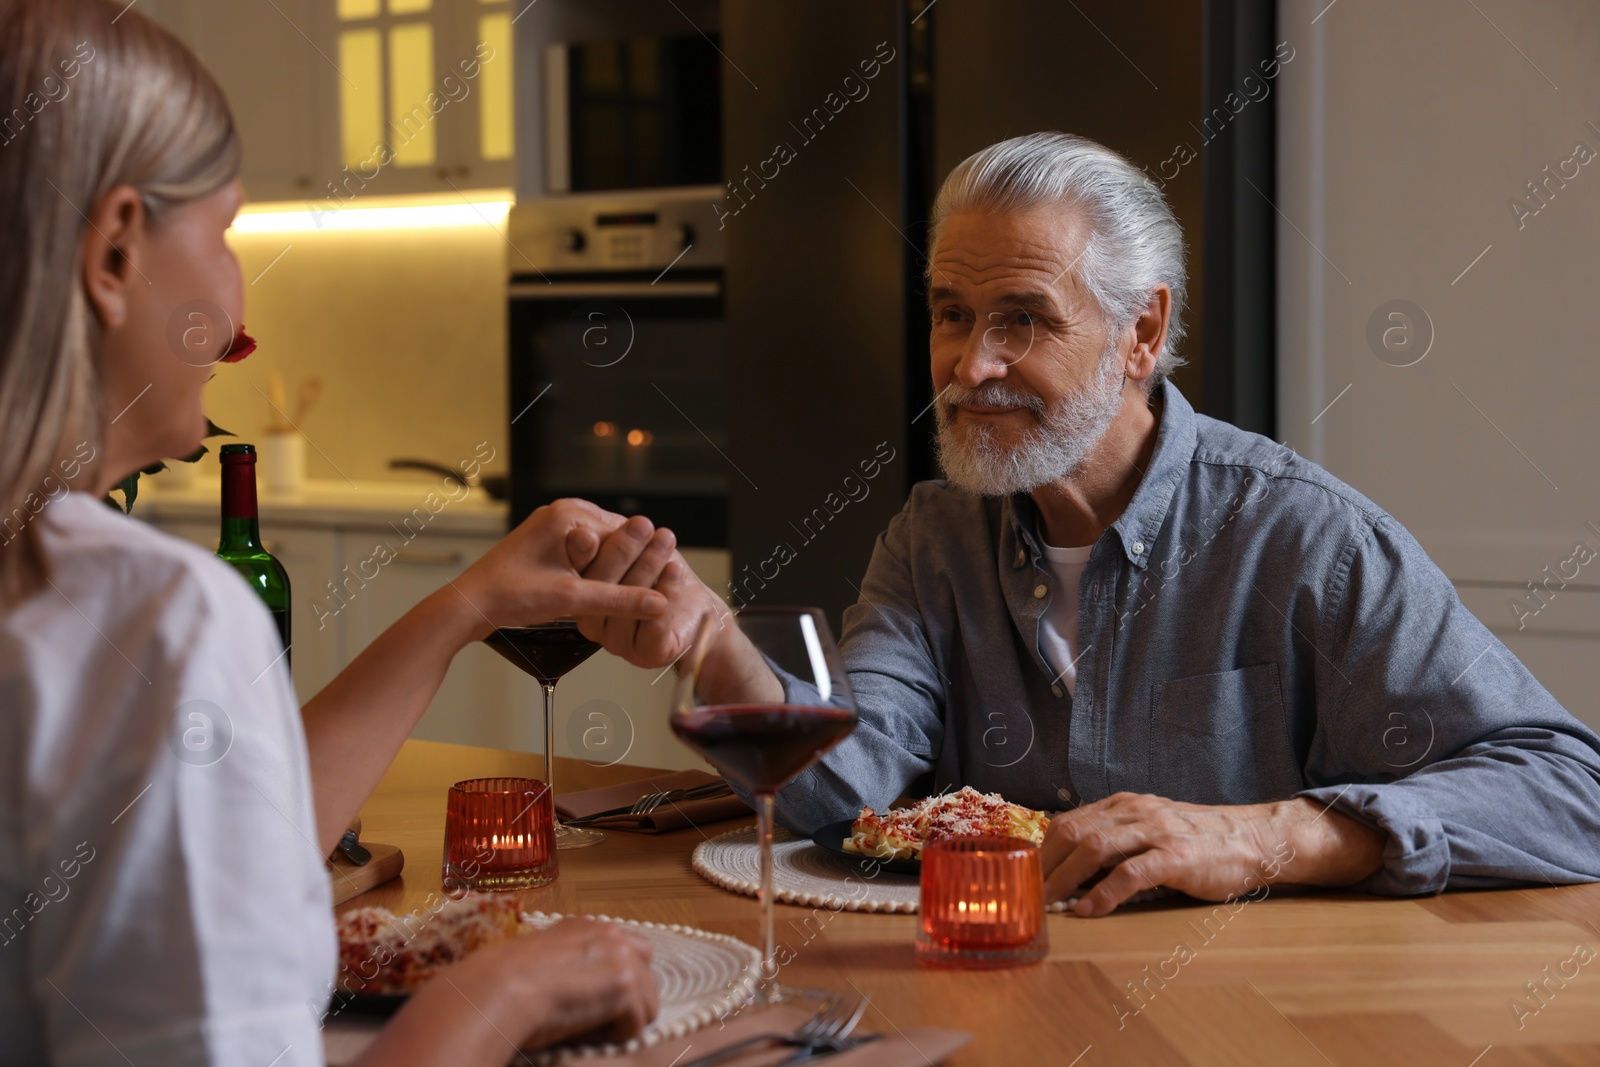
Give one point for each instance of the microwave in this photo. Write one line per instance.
(632, 113)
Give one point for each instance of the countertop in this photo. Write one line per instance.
(333, 504)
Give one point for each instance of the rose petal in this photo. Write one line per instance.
(243, 344)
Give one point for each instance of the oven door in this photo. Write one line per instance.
(618, 395)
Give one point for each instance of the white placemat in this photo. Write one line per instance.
(806, 873)
(803, 873)
(702, 977)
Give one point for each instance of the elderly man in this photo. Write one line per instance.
(1228, 667)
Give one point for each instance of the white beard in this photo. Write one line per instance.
(1054, 449)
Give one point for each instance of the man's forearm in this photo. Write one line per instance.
(1321, 847)
(734, 672)
(357, 723)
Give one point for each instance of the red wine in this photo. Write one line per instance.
(547, 651)
(762, 746)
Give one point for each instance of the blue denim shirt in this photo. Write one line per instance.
(1250, 629)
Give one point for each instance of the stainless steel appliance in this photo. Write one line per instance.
(617, 368)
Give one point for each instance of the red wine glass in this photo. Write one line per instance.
(761, 696)
(547, 652)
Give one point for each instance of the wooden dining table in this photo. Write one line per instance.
(1465, 979)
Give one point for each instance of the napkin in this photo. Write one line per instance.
(896, 1048)
(674, 815)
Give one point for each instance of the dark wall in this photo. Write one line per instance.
(827, 332)
(1126, 75)
(1242, 60)
(815, 294)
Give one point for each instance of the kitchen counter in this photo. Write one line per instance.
(333, 504)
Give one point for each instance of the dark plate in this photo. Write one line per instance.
(370, 1004)
(833, 836)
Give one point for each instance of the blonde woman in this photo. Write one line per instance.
(154, 911)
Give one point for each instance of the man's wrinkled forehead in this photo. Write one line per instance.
(1036, 249)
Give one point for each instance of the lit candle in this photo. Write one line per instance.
(605, 452)
(982, 903)
(636, 460)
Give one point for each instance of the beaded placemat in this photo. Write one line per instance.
(808, 874)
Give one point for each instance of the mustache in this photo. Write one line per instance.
(991, 394)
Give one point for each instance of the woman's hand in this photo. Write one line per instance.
(579, 979)
(527, 577)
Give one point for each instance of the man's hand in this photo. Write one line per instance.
(528, 577)
(1213, 853)
(633, 555)
(732, 671)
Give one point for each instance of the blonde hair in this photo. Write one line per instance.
(104, 97)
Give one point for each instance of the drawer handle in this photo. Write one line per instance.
(428, 557)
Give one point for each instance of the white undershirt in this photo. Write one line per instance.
(153, 909)
(1058, 628)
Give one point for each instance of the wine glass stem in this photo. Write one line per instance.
(550, 745)
(766, 991)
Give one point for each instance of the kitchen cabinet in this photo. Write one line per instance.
(483, 699)
(312, 557)
(340, 100)
(261, 56)
(326, 538)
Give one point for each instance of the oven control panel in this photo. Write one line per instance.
(616, 233)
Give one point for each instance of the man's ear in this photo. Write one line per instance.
(112, 247)
(1149, 334)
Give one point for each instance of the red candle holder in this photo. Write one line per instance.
(499, 835)
(982, 903)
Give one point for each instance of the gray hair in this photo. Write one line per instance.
(1135, 242)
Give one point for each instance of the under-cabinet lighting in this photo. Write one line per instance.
(487, 207)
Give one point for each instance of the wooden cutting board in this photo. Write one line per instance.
(350, 881)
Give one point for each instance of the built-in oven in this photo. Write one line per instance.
(616, 363)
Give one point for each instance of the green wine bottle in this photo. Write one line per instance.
(241, 546)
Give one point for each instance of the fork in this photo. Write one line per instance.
(651, 801)
(833, 1040)
(832, 1023)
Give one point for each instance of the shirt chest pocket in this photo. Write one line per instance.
(1222, 738)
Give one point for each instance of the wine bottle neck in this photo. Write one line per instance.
(241, 525)
(240, 533)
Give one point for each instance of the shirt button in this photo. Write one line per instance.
(1064, 795)
(1021, 558)
(1094, 590)
(1138, 548)
(1040, 590)
(1057, 690)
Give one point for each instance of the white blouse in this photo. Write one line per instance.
(162, 896)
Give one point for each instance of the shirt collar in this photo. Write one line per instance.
(1141, 521)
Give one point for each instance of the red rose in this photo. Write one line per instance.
(243, 344)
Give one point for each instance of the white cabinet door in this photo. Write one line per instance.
(312, 558)
(484, 700)
(277, 75)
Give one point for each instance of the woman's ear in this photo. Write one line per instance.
(112, 248)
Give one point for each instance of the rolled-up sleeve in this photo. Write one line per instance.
(1431, 730)
(896, 681)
